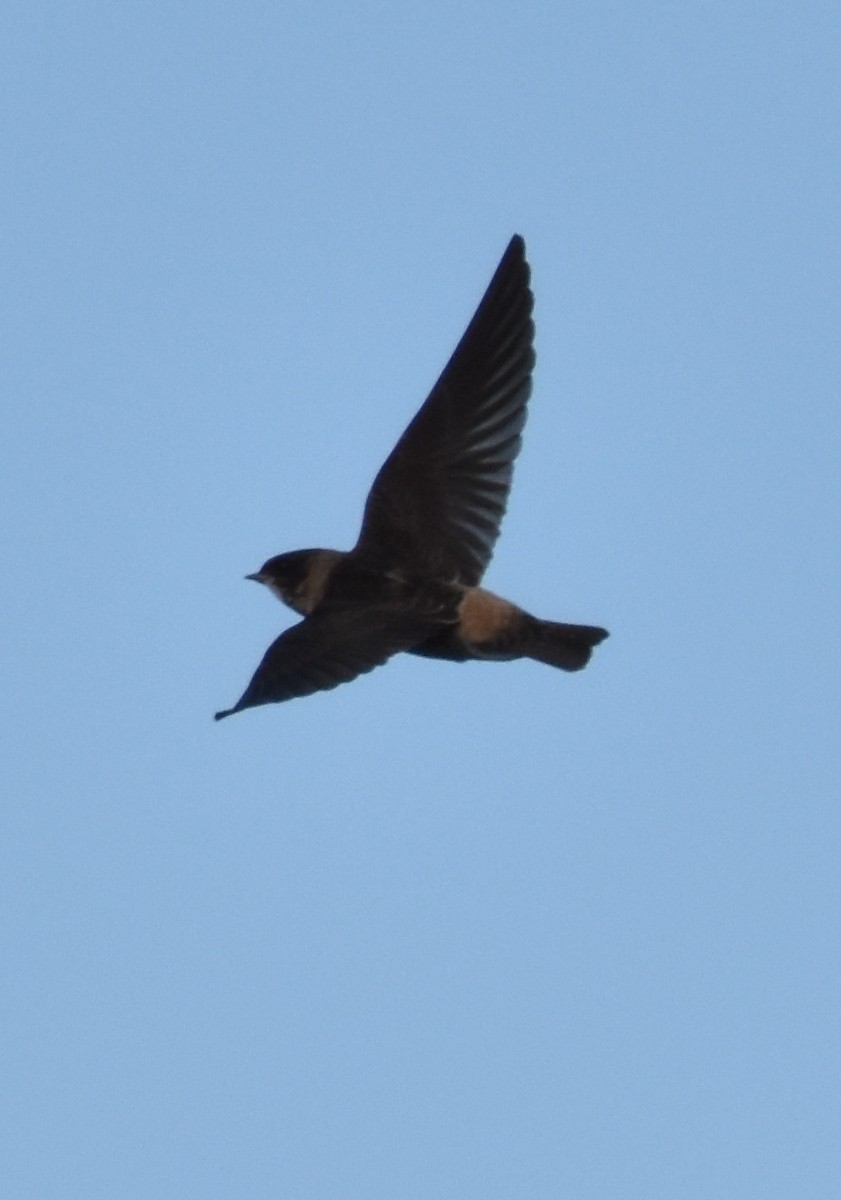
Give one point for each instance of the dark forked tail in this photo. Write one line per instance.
(565, 646)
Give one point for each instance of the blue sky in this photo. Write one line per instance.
(480, 931)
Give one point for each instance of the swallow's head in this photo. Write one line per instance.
(299, 577)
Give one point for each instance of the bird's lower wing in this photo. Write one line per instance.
(330, 648)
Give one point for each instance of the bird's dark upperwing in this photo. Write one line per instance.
(329, 648)
(436, 505)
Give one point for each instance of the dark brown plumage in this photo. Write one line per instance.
(428, 531)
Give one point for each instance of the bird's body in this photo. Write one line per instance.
(432, 517)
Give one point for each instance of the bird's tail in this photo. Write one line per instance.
(565, 646)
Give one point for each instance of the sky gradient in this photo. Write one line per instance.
(481, 931)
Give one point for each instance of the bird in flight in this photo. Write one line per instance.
(429, 527)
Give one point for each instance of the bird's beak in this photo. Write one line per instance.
(257, 577)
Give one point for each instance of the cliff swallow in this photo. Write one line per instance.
(431, 519)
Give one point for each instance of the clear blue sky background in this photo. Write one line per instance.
(485, 932)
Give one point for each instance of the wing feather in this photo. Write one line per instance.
(437, 503)
(330, 648)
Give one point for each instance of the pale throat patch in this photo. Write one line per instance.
(282, 596)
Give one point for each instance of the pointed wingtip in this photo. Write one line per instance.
(225, 712)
